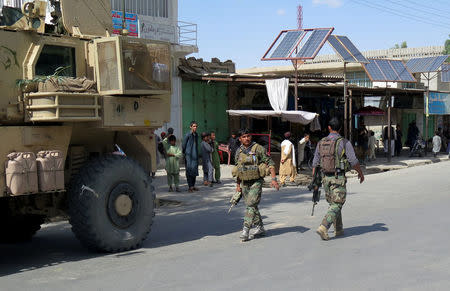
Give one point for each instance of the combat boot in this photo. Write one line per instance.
(259, 231)
(245, 234)
(323, 232)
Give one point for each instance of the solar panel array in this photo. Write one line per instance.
(304, 43)
(388, 71)
(424, 65)
(445, 73)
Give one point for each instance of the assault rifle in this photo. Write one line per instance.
(314, 186)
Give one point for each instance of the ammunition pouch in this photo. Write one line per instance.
(248, 172)
(264, 170)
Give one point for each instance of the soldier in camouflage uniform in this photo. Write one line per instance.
(334, 181)
(251, 159)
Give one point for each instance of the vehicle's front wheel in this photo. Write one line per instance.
(111, 204)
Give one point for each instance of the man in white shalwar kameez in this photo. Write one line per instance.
(287, 162)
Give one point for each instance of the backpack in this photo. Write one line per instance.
(330, 160)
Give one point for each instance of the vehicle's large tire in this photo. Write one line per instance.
(111, 204)
(20, 228)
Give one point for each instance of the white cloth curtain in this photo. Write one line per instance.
(277, 90)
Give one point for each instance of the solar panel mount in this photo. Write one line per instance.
(300, 44)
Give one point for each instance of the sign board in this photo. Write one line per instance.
(151, 28)
(439, 103)
(131, 23)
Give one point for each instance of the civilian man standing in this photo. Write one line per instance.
(333, 154)
(190, 151)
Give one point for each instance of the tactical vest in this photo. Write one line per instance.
(248, 167)
(331, 161)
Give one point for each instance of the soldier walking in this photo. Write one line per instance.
(252, 162)
(335, 155)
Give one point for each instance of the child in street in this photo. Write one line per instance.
(208, 168)
(173, 156)
(371, 143)
(437, 143)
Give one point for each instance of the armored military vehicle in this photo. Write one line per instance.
(78, 107)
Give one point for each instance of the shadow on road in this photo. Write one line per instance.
(363, 229)
(53, 245)
(56, 244)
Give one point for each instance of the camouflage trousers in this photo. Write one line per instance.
(335, 193)
(251, 192)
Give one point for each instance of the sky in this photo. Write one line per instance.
(242, 30)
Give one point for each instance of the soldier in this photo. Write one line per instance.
(334, 154)
(251, 165)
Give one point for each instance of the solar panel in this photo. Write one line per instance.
(298, 44)
(445, 74)
(352, 49)
(388, 71)
(285, 47)
(313, 44)
(374, 71)
(423, 65)
(340, 49)
(436, 63)
(402, 71)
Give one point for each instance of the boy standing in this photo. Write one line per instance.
(173, 155)
(207, 159)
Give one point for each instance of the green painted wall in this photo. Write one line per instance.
(206, 104)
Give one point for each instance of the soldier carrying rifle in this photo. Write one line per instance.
(335, 155)
(252, 165)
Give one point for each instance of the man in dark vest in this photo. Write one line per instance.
(335, 155)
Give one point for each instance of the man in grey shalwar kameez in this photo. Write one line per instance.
(190, 151)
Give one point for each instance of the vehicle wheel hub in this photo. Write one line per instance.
(123, 205)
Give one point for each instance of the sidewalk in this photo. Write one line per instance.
(225, 190)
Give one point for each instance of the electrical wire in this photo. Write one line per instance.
(441, 9)
(402, 14)
(398, 3)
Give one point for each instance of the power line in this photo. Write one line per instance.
(404, 15)
(446, 17)
(441, 9)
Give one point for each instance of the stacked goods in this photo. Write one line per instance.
(21, 173)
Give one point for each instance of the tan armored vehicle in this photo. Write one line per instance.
(77, 112)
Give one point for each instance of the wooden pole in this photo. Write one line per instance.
(388, 95)
(296, 85)
(350, 114)
(427, 112)
(345, 103)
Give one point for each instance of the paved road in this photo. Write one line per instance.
(396, 238)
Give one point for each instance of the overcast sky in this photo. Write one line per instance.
(242, 30)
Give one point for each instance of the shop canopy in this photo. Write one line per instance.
(302, 117)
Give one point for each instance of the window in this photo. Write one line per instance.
(53, 57)
(156, 8)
